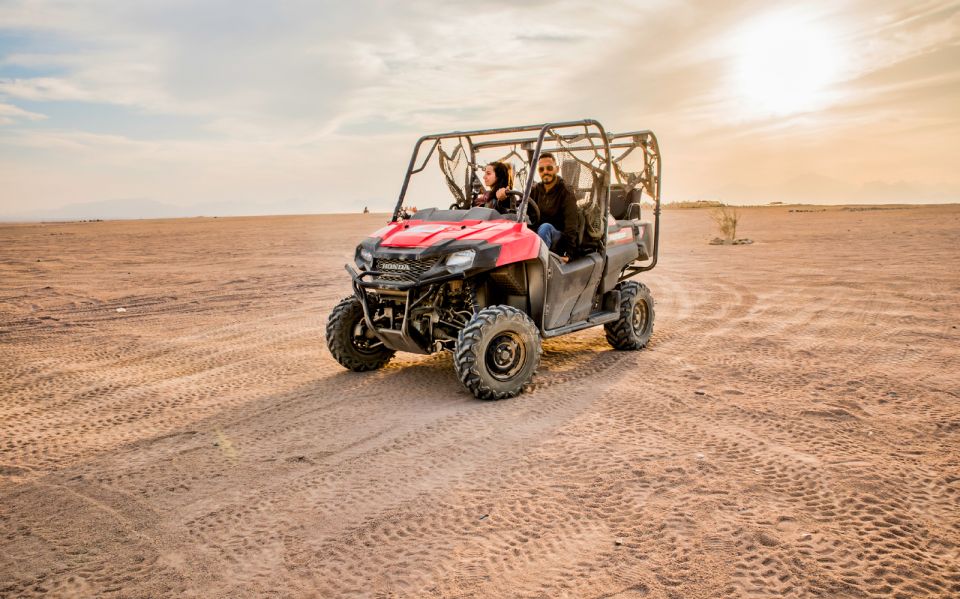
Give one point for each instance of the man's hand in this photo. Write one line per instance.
(565, 259)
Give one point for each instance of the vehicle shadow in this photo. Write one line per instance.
(563, 361)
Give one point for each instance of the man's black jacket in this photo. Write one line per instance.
(559, 208)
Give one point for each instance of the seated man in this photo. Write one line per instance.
(559, 220)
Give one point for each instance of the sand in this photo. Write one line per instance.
(171, 423)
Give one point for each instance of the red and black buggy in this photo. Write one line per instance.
(482, 284)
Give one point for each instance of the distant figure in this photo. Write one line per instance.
(496, 177)
(366, 210)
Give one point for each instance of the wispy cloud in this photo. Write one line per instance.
(9, 113)
(302, 97)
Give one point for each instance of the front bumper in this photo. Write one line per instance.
(380, 283)
(412, 288)
(411, 294)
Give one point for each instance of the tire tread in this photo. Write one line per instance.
(466, 354)
(342, 318)
(620, 333)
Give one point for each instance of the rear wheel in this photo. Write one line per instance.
(351, 342)
(497, 353)
(635, 325)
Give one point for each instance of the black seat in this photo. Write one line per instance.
(621, 200)
(570, 172)
(590, 213)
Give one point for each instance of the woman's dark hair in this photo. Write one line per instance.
(503, 175)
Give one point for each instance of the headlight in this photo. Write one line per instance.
(460, 261)
(364, 257)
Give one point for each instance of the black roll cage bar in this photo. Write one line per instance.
(534, 147)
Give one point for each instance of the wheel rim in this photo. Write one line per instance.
(363, 340)
(641, 315)
(505, 356)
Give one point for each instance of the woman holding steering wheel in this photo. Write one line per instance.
(496, 176)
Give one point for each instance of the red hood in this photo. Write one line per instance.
(418, 233)
(516, 241)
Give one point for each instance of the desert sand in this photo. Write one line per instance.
(171, 423)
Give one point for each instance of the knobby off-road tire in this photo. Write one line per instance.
(497, 353)
(349, 342)
(635, 325)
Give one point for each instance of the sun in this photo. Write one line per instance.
(784, 63)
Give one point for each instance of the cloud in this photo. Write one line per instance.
(305, 99)
(9, 113)
(310, 66)
(48, 89)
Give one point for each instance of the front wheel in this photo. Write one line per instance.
(635, 325)
(497, 353)
(351, 342)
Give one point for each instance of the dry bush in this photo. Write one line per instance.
(726, 218)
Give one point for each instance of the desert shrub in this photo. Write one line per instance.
(726, 218)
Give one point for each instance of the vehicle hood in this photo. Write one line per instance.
(414, 233)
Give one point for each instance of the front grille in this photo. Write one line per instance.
(397, 269)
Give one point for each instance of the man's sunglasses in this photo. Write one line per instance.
(548, 169)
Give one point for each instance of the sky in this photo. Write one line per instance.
(229, 107)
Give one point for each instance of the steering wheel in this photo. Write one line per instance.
(533, 211)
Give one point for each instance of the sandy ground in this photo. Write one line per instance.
(793, 429)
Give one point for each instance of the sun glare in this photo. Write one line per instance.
(785, 64)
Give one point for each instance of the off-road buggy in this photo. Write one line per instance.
(482, 284)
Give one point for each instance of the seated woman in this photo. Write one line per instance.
(496, 177)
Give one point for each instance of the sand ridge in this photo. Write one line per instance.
(792, 430)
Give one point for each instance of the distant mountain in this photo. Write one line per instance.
(110, 210)
(142, 208)
(818, 189)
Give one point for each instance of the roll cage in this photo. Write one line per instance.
(568, 137)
